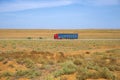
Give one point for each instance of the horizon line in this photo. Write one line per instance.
(60, 29)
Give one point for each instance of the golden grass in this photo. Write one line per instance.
(59, 59)
(83, 34)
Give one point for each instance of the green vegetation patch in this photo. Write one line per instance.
(27, 73)
(1, 58)
(68, 67)
(27, 62)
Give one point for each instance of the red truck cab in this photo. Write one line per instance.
(55, 36)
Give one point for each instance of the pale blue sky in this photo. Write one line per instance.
(60, 14)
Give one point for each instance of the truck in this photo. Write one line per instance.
(66, 36)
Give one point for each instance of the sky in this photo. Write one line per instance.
(59, 14)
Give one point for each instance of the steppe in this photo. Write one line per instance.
(35, 55)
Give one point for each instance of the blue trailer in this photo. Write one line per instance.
(66, 36)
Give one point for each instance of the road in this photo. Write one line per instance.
(61, 39)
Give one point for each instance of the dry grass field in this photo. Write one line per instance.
(44, 59)
(48, 34)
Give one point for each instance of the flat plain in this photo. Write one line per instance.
(35, 55)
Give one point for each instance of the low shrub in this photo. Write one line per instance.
(1, 58)
(83, 74)
(40, 38)
(49, 77)
(106, 73)
(58, 73)
(29, 37)
(78, 62)
(67, 68)
(27, 62)
(6, 74)
(27, 73)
